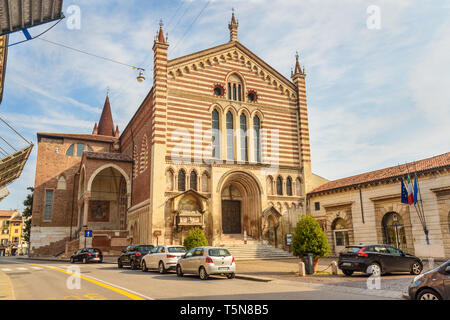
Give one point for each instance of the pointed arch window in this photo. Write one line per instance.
(289, 186)
(230, 136)
(279, 186)
(193, 181)
(257, 138)
(298, 187)
(62, 184)
(215, 135)
(69, 151)
(205, 182)
(244, 138)
(182, 180)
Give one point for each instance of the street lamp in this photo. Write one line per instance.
(141, 78)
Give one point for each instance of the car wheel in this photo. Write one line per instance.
(428, 294)
(161, 268)
(144, 267)
(203, 274)
(348, 272)
(231, 275)
(133, 265)
(374, 269)
(416, 268)
(179, 271)
(119, 264)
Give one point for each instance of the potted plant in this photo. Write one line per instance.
(195, 238)
(309, 237)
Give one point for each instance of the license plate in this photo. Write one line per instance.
(222, 268)
(346, 264)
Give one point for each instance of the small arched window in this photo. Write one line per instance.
(144, 155)
(69, 151)
(205, 182)
(289, 186)
(235, 88)
(182, 180)
(279, 186)
(244, 139)
(193, 181)
(230, 136)
(298, 187)
(257, 138)
(215, 134)
(169, 180)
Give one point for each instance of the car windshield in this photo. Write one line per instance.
(219, 253)
(93, 250)
(351, 250)
(145, 248)
(177, 249)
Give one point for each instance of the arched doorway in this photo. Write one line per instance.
(394, 230)
(108, 201)
(340, 234)
(271, 231)
(240, 204)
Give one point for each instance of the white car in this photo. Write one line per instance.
(163, 258)
(206, 261)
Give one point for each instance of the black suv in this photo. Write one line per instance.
(377, 259)
(132, 256)
(87, 255)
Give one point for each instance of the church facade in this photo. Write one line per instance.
(221, 142)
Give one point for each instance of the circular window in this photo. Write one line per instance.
(218, 91)
(251, 96)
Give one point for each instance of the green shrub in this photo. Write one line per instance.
(309, 238)
(196, 238)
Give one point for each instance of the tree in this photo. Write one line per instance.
(196, 238)
(309, 238)
(27, 212)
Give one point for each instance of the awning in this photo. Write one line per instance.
(11, 166)
(16, 15)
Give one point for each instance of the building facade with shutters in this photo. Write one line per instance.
(367, 209)
(221, 142)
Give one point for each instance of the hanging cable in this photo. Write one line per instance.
(9, 126)
(42, 33)
(193, 22)
(88, 53)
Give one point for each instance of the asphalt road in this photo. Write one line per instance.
(37, 280)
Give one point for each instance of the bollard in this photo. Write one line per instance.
(334, 268)
(301, 269)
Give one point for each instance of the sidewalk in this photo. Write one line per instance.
(6, 289)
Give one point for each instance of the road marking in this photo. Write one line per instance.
(6, 270)
(36, 268)
(123, 291)
(22, 269)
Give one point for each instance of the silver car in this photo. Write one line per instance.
(206, 261)
(163, 258)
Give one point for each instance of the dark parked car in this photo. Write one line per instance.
(132, 256)
(87, 255)
(432, 285)
(377, 259)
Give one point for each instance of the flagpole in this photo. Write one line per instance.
(421, 204)
(422, 214)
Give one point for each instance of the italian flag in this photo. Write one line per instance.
(410, 192)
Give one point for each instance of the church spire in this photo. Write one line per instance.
(298, 70)
(160, 36)
(106, 124)
(233, 26)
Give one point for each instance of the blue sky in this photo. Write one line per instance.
(376, 98)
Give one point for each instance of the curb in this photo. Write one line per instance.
(58, 260)
(252, 278)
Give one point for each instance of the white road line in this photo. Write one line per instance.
(22, 269)
(6, 270)
(36, 268)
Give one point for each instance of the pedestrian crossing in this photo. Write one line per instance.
(33, 268)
